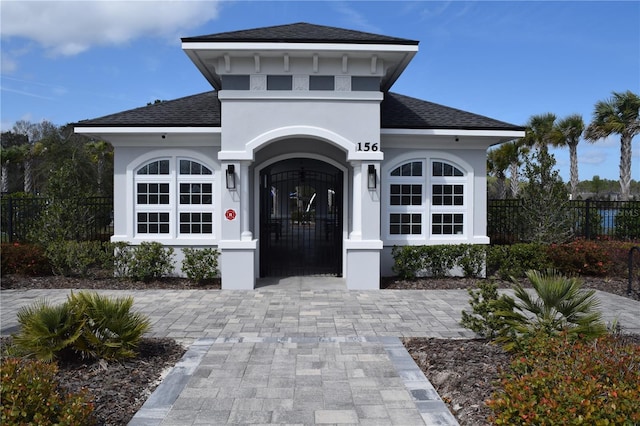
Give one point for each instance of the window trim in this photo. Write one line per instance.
(174, 208)
(428, 209)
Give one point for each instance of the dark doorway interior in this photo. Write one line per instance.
(300, 219)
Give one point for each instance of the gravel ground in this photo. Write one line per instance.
(462, 371)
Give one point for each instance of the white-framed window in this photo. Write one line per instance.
(173, 198)
(406, 199)
(448, 199)
(426, 198)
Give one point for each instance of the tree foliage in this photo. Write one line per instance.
(618, 115)
(544, 201)
(32, 152)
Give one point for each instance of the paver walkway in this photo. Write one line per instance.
(304, 351)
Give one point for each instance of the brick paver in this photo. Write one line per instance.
(305, 351)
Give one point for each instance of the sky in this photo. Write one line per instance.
(65, 61)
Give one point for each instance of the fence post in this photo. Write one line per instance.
(10, 219)
(630, 286)
(587, 220)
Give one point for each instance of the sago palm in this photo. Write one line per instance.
(48, 332)
(112, 330)
(557, 303)
(618, 115)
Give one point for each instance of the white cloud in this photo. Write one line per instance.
(8, 65)
(355, 18)
(609, 141)
(71, 27)
(592, 157)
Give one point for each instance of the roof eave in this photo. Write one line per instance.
(497, 135)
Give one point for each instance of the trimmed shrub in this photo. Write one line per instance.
(30, 394)
(407, 261)
(200, 264)
(618, 253)
(514, 260)
(580, 257)
(560, 381)
(438, 260)
(122, 256)
(473, 260)
(76, 258)
(24, 259)
(149, 261)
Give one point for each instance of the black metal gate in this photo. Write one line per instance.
(301, 221)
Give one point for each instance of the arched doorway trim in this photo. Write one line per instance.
(260, 168)
(335, 139)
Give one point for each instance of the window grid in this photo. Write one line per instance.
(188, 167)
(196, 193)
(441, 168)
(447, 195)
(153, 193)
(153, 222)
(174, 197)
(447, 223)
(406, 195)
(158, 167)
(413, 168)
(196, 223)
(422, 205)
(405, 223)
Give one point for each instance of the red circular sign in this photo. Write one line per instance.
(230, 214)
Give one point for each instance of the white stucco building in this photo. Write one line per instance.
(300, 161)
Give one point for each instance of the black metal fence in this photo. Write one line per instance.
(591, 219)
(88, 218)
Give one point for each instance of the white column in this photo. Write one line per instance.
(356, 213)
(245, 211)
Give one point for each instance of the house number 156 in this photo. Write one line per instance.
(367, 146)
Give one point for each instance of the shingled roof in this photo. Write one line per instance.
(300, 32)
(404, 112)
(203, 110)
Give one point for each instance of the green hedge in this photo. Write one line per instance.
(579, 257)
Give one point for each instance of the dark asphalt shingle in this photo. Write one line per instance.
(300, 32)
(203, 110)
(404, 112)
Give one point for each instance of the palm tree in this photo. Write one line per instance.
(619, 115)
(496, 165)
(567, 132)
(99, 152)
(514, 151)
(508, 156)
(540, 131)
(8, 155)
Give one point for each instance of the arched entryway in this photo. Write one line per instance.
(301, 210)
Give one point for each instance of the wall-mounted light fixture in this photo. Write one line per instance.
(231, 177)
(372, 177)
